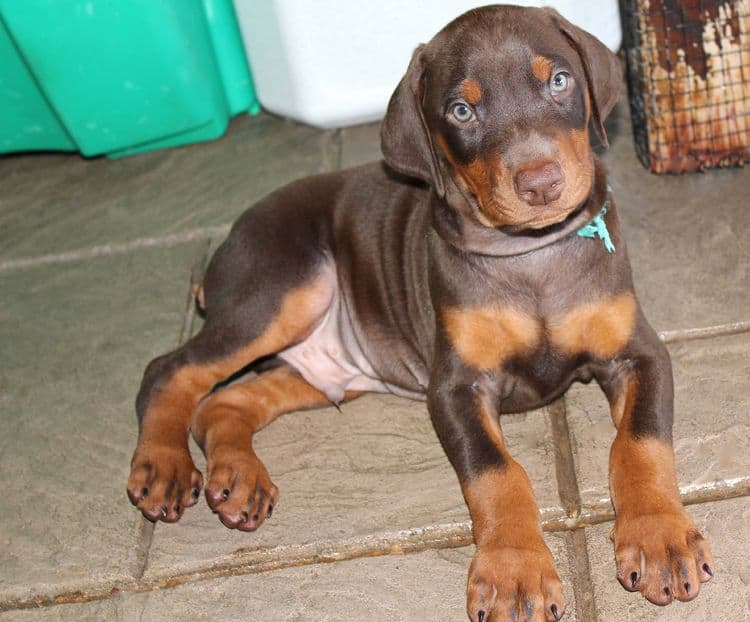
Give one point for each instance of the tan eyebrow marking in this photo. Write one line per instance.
(541, 67)
(471, 91)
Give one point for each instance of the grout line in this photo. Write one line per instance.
(253, 561)
(692, 334)
(570, 497)
(197, 272)
(117, 248)
(144, 538)
(601, 511)
(330, 148)
(565, 472)
(145, 528)
(583, 584)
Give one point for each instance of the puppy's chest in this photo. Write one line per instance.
(541, 346)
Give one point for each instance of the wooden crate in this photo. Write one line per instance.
(689, 82)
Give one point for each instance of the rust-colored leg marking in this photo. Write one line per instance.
(512, 575)
(658, 549)
(163, 479)
(239, 488)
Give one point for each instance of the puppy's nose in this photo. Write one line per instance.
(540, 185)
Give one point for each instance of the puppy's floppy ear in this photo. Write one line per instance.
(602, 68)
(404, 137)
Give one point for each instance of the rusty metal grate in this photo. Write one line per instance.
(688, 71)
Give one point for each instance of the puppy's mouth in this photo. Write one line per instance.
(508, 212)
(543, 220)
(549, 214)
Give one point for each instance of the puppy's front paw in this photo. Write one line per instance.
(518, 584)
(163, 482)
(239, 489)
(663, 556)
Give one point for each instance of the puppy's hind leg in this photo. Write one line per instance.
(239, 488)
(261, 296)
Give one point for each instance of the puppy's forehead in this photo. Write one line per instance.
(498, 39)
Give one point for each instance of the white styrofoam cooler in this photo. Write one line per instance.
(332, 63)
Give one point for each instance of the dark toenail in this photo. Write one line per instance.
(270, 511)
(480, 616)
(667, 591)
(164, 510)
(144, 491)
(633, 578)
(707, 568)
(244, 517)
(255, 517)
(177, 509)
(553, 608)
(687, 588)
(225, 494)
(195, 492)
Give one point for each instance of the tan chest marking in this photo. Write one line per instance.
(602, 328)
(484, 337)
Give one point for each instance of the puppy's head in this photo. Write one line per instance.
(499, 105)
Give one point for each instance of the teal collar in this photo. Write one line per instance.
(597, 228)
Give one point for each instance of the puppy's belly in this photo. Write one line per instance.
(331, 359)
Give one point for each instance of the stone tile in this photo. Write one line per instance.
(559, 544)
(374, 467)
(360, 144)
(74, 341)
(712, 417)
(423, 586)
(686, 236)
(54, 203)
(726, 598)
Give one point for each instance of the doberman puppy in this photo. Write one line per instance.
(451, 273)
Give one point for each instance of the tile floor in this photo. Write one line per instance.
(96, 259)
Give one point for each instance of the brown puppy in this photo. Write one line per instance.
(466, 287)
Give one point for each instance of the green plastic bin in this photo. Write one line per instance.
(119, 77)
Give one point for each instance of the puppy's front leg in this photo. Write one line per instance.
(512, 575)
(658, 549)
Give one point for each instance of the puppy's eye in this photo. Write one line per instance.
(560, 83)
(462, 112)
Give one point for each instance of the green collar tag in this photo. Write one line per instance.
(597, 228)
